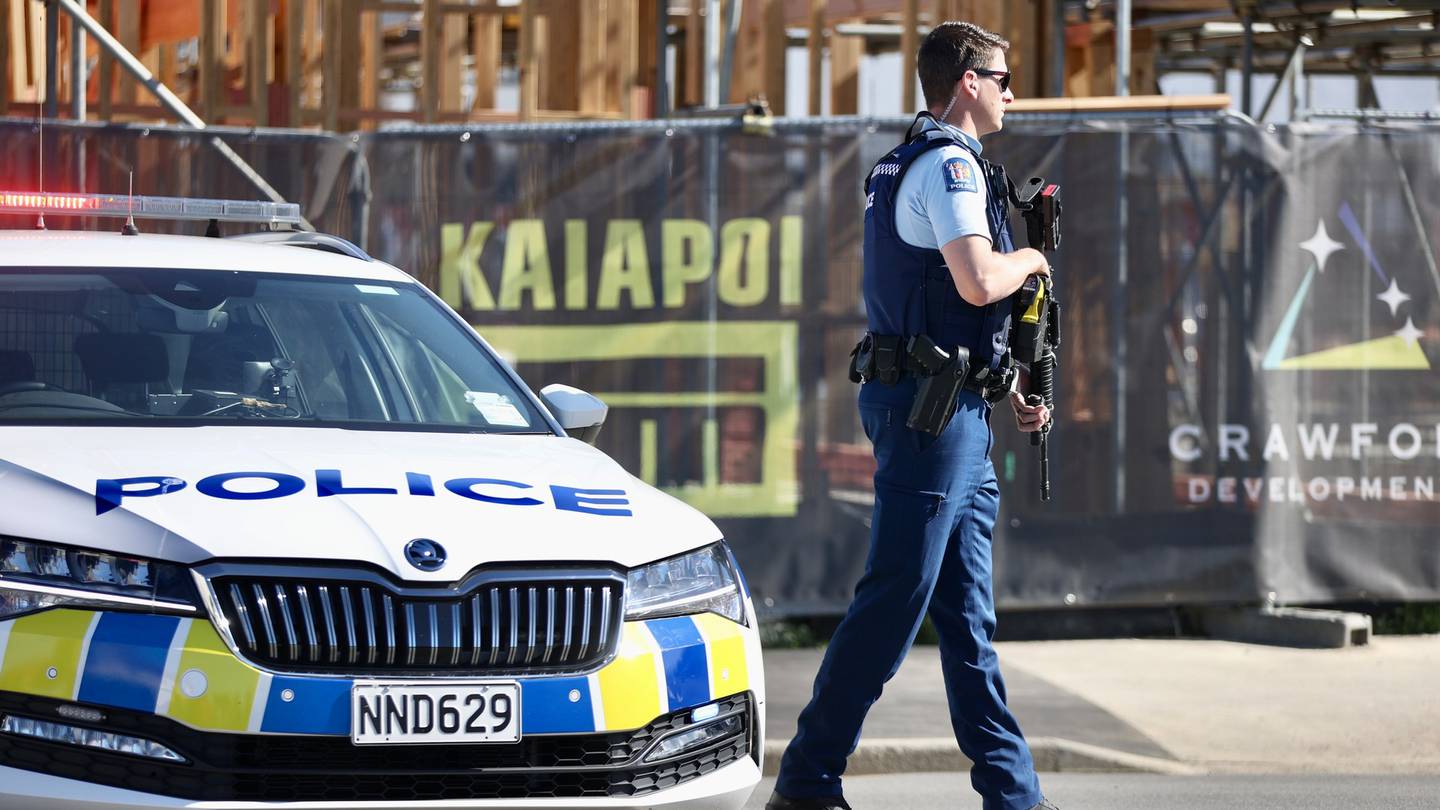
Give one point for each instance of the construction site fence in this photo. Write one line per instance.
(1248, 408)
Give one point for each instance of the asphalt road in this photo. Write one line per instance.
(1070, 791)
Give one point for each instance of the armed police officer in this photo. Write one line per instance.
(940, 267)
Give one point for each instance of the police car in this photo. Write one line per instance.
(277, 528)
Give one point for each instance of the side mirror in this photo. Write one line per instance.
(580, 413)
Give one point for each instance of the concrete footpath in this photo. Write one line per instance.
(1160, 706)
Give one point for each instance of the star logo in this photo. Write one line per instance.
(1394, 298)
(1398, 350)
(1321, 245)
(1410, 334)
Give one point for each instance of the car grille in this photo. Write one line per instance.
(366, 626)
(298, 768)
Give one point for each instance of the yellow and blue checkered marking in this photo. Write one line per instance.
(125, 663)
(138, 662)
(316, 706)
(687, 672)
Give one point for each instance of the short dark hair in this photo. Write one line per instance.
(950, 49)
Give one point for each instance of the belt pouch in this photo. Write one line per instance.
(887, 358)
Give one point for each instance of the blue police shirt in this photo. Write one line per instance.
(907, 286)
(943, 195)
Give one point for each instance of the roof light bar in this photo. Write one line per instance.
(172, 208)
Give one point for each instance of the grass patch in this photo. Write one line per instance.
(780, 634)
(799, 634)
(1407, 619)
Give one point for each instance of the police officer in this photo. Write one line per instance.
(939, 261)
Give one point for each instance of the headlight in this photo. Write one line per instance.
(35, 576)
(698, 582)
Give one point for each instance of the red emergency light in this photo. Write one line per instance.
(34, 203)
(172, 208)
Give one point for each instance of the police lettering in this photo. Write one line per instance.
(110, 493)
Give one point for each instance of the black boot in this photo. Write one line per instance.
(778, 802)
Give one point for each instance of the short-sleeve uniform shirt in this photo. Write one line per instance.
(943, 195)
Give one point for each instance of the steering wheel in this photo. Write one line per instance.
(27, 385)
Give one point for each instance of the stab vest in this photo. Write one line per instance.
(909, 290)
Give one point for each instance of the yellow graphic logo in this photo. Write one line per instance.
(1399, 350)
(773, 343)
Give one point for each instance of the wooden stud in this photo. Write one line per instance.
(1144, 78)
(1023, 28)
(613, 50)
(485, 47)
(529, 61)
(627, 59)
(909, 42)
(33, 15)
(988, 14)
(760, 55)
(430, 35)
(257, 13)
(540, 57)
(454, 30)
(313, 52)
(747, 70)
(374, 34)
(1045, 35)
(371, 59)
(777, 44)
(1102, 60)
(592, 58)
(105, 84)
(292, 76)
(694, 94)
(330, 66)
(559, 58)
(816, 52)
(845, 53)
(62, 61)
(644, 93)
(5, 59)
(210, 72)
(349, 82)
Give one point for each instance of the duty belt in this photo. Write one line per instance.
(887, 359)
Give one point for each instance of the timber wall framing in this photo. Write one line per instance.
(356, 64)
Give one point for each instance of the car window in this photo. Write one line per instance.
(220, 347)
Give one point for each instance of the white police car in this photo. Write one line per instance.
(277, 527)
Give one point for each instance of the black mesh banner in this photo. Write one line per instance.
(1248, 403)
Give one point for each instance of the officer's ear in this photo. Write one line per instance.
(968, 85)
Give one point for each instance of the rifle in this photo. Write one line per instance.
(1035, 324)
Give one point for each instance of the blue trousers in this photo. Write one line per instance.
(935, 504)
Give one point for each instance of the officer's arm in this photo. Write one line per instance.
(984, 276)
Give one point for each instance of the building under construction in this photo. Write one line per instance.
(358, 64)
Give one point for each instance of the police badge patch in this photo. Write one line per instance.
(958, 175)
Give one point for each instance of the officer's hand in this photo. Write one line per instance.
(1028, 418)
(1038, 261)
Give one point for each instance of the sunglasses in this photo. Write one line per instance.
(1002, 75)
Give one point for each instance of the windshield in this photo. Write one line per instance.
(207, 347)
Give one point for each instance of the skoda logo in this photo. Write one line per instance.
(427, 555)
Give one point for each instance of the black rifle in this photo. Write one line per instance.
(1035, 324)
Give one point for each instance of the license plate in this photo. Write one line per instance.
(390, 712)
